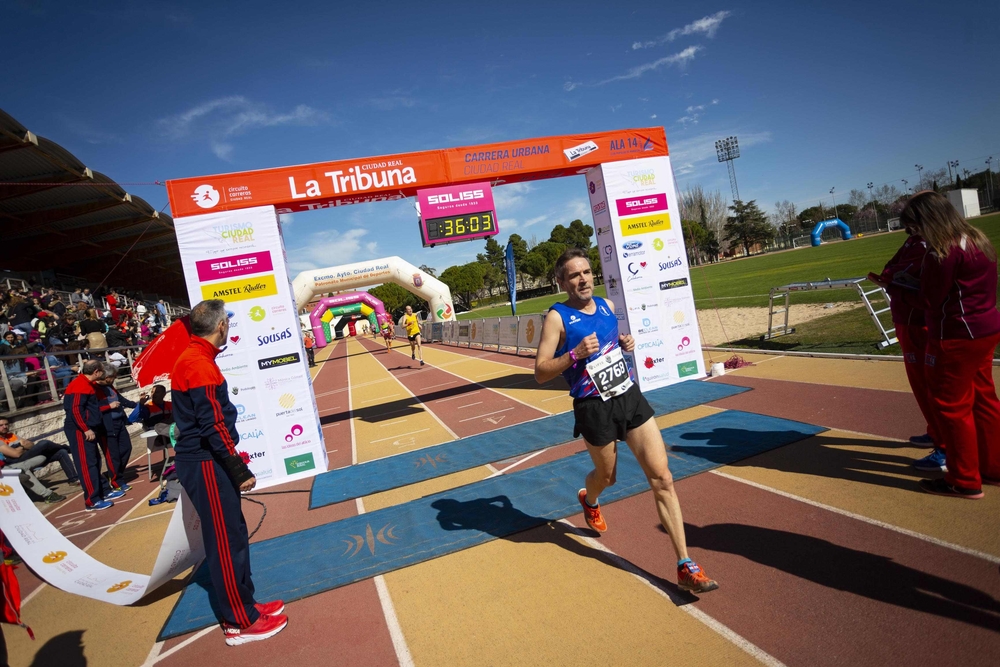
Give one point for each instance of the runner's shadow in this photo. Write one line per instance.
(841, 568)
(819, 455)
(65, 650)
(497, 516)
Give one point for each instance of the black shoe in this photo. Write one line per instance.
(939, 487)
(413, 356)
(54, 498)
(421, 362)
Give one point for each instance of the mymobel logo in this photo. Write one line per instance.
(449, 197)
(205, 196)
(281, 360)
(673, 284)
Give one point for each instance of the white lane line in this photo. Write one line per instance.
(153, 659)
(394, 422)
(682, 603)
(350, 408)
(380, 398)
(111, 525)
(875, 522)
(514, 465)
(464, 394)
(552, 398)
(469, 405)
(117, 502)
(427, 408)
(468, 419)
(496, 391)
(440, 384)
(389, 611)
(401, 435)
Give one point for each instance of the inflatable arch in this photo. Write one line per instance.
(321, 317)
(367, 274)
(817, 232)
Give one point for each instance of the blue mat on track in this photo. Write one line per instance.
(324, 557)
(364, 479)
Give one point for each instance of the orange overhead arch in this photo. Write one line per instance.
(354, 181)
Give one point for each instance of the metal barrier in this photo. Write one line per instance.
(29, 391)
(520, 333)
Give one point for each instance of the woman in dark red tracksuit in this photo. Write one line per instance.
(958, 286)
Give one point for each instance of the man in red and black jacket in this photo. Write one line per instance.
(84, 428)
(213, 474)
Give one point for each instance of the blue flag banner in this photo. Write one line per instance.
(511, 278)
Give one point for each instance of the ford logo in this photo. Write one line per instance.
(632, 245)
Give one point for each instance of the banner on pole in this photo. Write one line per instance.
(511, 277)
(239, 256)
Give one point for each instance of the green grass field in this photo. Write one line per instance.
(747, 282)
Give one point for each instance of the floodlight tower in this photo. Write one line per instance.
(952, 164)
(920, 175)
(727, 150)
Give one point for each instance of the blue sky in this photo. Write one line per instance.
(820, 97)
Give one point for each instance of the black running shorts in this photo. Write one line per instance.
(602, 422)
(413, 338)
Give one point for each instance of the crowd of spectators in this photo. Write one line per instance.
(40, 324)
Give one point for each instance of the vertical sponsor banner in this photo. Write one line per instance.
(511, 277)
(239, 256)
(645, 267)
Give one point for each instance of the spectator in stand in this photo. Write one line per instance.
(157, 410)
(20, 311)
(69, 330)
(75, 297)
(17, 374)
(37, 392)
(84, 428)
(116, 338)
(161, 312)
(87, 297)
(47, 297)
(62, 372)
(9, 343)
(17, 457)
(57, 306)
(958, 286)
(94, 330)
(50, 451)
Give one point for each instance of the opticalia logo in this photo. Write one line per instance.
(673, 284)
(205, 196)
(237, 265)
(449, 197)
(252, 435)
(274, 362)
(671, 263)
(274, 338)
(649, 344)
(631, 245)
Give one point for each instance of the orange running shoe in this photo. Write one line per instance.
(592, 514)
(691, 578)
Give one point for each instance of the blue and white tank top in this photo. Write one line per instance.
(579, 325)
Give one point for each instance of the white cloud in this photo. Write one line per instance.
(694, 113)
(680, 59)
(707, 25)
(653, 116)
(571, 85)
(507, 197)
(616, 108)
(332, 248)
(227, 117)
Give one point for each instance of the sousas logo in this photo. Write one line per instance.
(670, 264)
(448, 197)
(273, 338)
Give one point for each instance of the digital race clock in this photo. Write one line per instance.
(456, 213)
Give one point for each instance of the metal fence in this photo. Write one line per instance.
(23, 390)
(514, 333)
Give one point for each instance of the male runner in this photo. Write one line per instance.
(412, 325)
(387, 334)
(580, 340)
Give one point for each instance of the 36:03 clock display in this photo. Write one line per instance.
(460, 227)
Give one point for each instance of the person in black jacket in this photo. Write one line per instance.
(84, 427)
(113, 410)
(213, 473)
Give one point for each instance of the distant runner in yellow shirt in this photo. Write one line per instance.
(412, 325)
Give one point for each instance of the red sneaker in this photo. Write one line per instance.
(691, 578)
(270, 608)
(592, 515)
(265, 628)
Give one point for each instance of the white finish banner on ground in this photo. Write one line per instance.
(239, 256)
(644, 263)
(54, 558)
(529, 330)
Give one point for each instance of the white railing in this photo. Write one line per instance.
(514, 333)
(23, 391)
